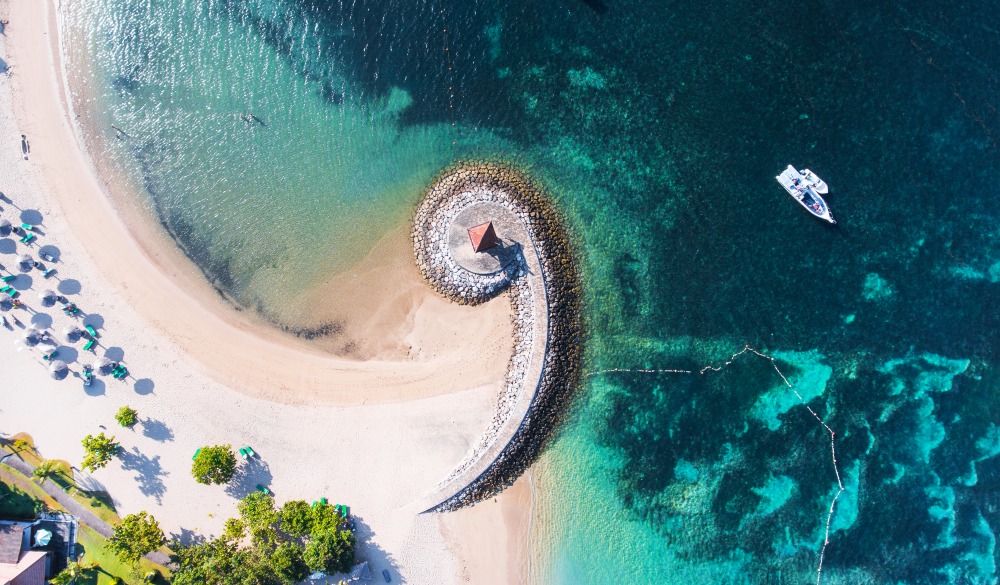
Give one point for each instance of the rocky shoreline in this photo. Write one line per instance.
(555, 293)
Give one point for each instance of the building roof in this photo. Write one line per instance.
(483, 236)
(29, 571)
(11, 538)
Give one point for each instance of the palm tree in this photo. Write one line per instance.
(44, 470)
(20, 445)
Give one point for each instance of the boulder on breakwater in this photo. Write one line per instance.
(452, 192)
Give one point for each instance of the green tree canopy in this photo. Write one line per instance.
(259, 516)
(271, 557)
(72, 572)
(214, 464)
(234, 530)
(215, 562)
(127, 417)
(325, 518)
(296, 518)
(287, 562)
(330, 551)
(99, 451)
(137, 535)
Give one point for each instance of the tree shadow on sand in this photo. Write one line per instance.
(149, 473)
(248, 476)
(157, 430)
(378, 558)
(186, 537)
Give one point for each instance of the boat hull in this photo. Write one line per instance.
(805, 192)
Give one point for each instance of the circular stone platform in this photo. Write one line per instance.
(509, 229)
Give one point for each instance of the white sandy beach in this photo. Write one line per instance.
(373, 434)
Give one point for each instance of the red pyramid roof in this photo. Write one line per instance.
(483, 237)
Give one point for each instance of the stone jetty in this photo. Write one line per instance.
(535, 268)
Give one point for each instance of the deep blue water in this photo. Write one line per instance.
(658, 128)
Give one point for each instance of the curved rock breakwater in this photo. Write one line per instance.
(536, 267)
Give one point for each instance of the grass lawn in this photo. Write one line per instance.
(109, 567)
(21, 495)
(99, 503)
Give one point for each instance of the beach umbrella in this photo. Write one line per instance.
(42, 537)
(32, 337)
(72, 333)
(6, 302)
(48, 297)
(4, 228)
(58, 369)
(103, 366)
(25, 261)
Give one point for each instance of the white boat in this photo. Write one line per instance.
(818, 185)
(806, 188)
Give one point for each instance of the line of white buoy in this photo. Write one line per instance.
(732, 358)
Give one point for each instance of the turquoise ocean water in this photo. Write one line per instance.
(658, 129)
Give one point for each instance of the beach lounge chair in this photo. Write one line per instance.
(89, 345)
(249, 451)
(27, 239)
(27, 226)
(195, 456)
(264, 490)
(90, 330)
(8, 278)
(50, 355)
(48, 272)
(122, 373)
(6, 289)
(243, 453)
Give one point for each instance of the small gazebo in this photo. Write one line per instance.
(483, 237)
